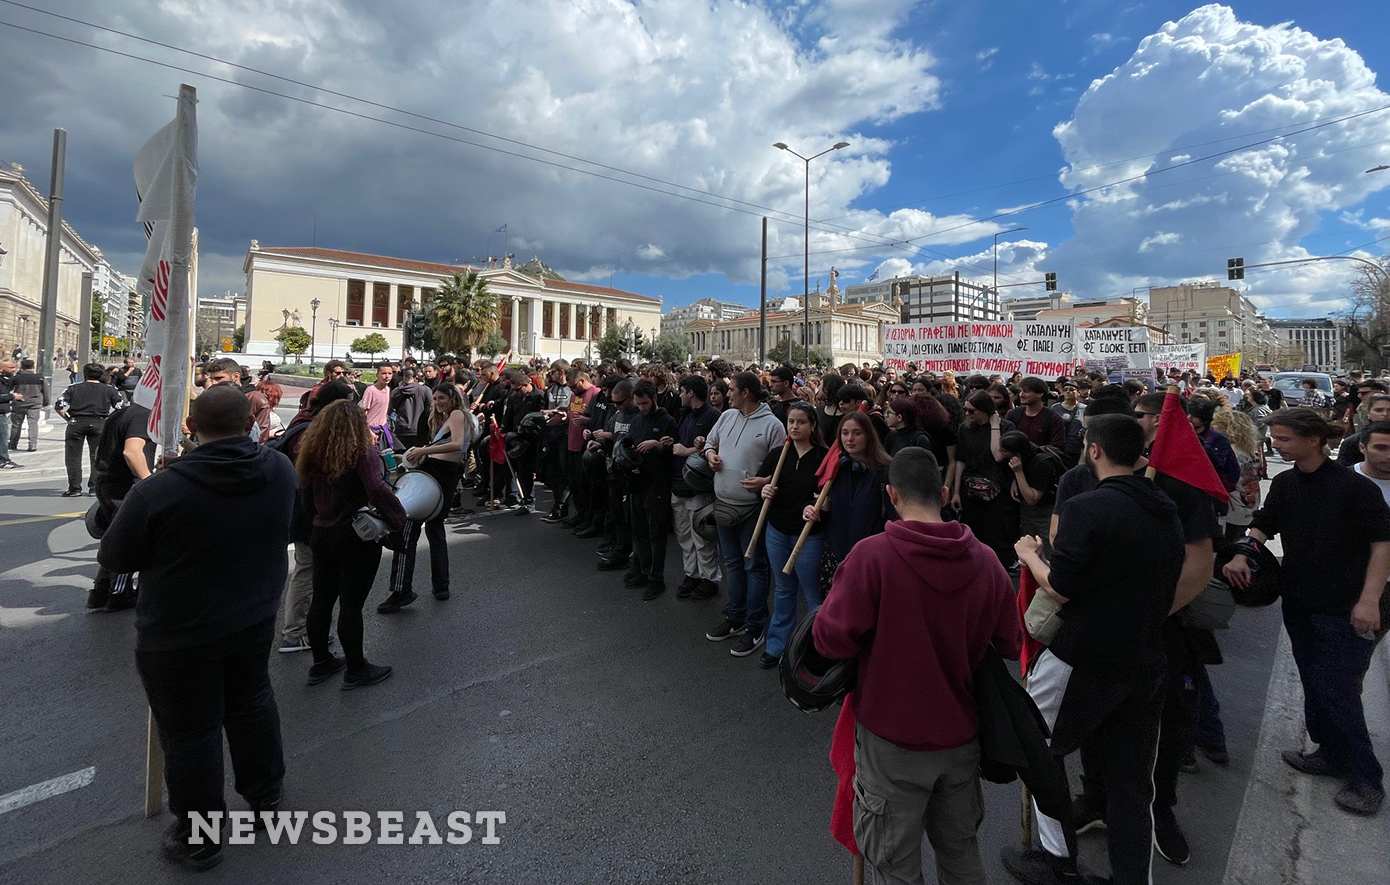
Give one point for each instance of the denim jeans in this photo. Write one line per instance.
(746, 578)
(805, 578)
(4, 436)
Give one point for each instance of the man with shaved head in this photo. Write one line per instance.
(205, 615)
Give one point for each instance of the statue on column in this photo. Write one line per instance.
(294, 316)
(834, 289)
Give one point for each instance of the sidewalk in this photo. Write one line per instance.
(44, 464)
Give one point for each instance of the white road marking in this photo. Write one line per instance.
(47, 790)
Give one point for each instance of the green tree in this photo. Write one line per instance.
(610, 346)
(98, 324)
(239, 339)
(493, 344)
(371, 344)
(670, 349)
(463, 312)
(778, 354)
(294, 341)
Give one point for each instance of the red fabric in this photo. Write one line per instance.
(829, 465)
(497, 445)
(1027, 587)
(842, 760)
(1177, 452)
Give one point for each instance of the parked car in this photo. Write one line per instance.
(1291, 383)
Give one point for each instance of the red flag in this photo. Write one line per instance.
(842, 760)
(1178, 452)
(1027, 588)
(829, 465)
(497, 445)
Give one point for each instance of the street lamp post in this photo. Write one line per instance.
(806, 251)
(333, 342)
(996, 257)
(314, 335)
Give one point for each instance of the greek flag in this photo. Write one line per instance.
(501, 230)
(873, 276)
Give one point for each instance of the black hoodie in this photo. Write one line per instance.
(201, 577)
(1117, 558)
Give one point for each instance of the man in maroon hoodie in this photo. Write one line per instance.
(918, 605)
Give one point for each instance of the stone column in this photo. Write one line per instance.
(534, 321)
(516, 324)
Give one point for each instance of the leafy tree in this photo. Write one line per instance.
(493, 344)
(239, 339)
(370, 344)
(463, 312)
(1368, 319)
(294, 341)
(98, 325)
(778, 354)
(670, 349)
(610, 346)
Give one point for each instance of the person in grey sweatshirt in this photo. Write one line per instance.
(735, 449)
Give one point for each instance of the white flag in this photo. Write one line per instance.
(166, 172)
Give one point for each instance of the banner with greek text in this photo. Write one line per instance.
(1035, 348)
(1223, 364)
(1114, 347)
(1183, 357)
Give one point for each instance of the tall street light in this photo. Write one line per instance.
(996, 257)
(333, 344)
(314, 335)
(806, 251)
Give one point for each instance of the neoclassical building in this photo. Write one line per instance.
(849, 333)
(23, 242)
(358, 293)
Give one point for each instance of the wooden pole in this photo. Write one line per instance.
(806, 530)
(859, 869)
(154, 769)
(767, 502)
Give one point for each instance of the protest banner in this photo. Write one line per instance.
(1223, 364)
(1183, 357)
(1043, 349)
(1114, 347)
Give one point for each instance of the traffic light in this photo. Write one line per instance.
(1050, 279)
(637, 340)
(1235, 268)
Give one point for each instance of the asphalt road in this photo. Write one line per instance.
(621, 744)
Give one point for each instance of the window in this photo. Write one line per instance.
(1221, 323)
(426, 295)
(356, 299)
(564, 321)
(405, 296)
(547, 320)
(1222, 334)
(381, 304)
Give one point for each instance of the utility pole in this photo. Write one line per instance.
(762, 306)
(84, 340)
(48, 307)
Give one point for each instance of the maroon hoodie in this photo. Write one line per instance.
(930, 599)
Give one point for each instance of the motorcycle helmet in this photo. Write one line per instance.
(811, 681)
(1264, 573)
(594, 464)
(532, 426)
(697, 473)
(517, 446)
(705, 526)
(625, 457)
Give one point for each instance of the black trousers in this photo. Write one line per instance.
(619, 528)
(649, 513)
(403, 562)
(575, 485)
(1113, 717)
(344, 570)
(81, 430)
(199, 692)
(554, 472)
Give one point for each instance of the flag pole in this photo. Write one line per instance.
(806, 529)
(767, 502)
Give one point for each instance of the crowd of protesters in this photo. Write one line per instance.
(1028, 472)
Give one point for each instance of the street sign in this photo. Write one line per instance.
(226, 345)
(108, 342)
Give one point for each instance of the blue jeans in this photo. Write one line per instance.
(746, 578)
(805, 577)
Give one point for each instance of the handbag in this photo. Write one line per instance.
(1043, 617)
(728, 515)
(1212, 609)
(981, 488)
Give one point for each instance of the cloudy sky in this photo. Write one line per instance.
(1140, 144)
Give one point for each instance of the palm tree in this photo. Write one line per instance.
(463, 311)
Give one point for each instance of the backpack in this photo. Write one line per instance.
(278, 443)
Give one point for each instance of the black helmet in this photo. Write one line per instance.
(625, 457)
(811, 681)
(594, 464)
(705, 526)
(1264, 573)
(517, 446)
(532, 426)
(697, 473)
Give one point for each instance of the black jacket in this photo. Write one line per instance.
(1013, 737)
(196, 585)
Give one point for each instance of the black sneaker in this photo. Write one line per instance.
(441, 595)
(96, 599)
(525, 509)
(635, 580)
(590, 531)
(1169, 838)
(767, 661)
(1218, 755)
(686, 587)
(707, 590)
(746, 644)
(321, 670)
(724, 630)
(573, 522)
(119, 602)
(654, 589)
(195, 858)
(395, 602)
(1188, 763)
(612, 564)
(510, 501)
(370, 675)
(1033, 866)
(553, 516)
(1315, 764)
(1361, 799)
(71, 493)
(1087, 814)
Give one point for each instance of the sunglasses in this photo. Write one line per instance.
(971, 410)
